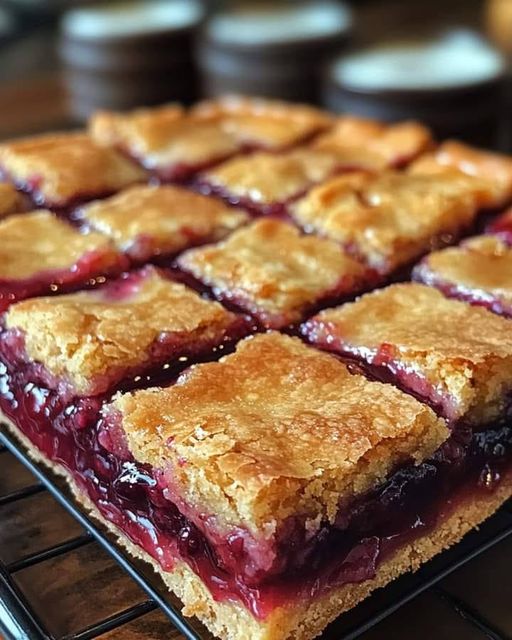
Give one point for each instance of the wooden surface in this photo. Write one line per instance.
(72, 592)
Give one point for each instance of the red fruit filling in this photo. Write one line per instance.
(138, 500)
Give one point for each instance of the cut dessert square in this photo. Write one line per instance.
(149, 221)
(176, 143)
(265, 182)
(478, 271)
(494, 170)
(39, 253)
(388, 219)
(58, 170)
(247, 451)
(11, 200)
(87, 342)
(455, 356)
(361, 143)
(274, 272)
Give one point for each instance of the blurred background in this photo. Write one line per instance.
(446, 62)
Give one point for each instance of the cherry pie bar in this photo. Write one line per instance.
(478, 271)
(193, 358)
(175, 143)
(389, 219)
(173, 219)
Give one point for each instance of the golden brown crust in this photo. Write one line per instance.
(494, 170)
(388, 219)
(87, 336)
(167, 219)
(250, 438)
(62, 167)
(11, 201)
(298, 621)
(369, 144)
(265, 178)
(464, 352)
(274, 271)
(38, 243)
(481, 266)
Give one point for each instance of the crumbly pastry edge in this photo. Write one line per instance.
(231, 621)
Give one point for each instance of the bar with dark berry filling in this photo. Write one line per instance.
(276, 273)
(40, 254)
(455, 356)
(61, 169)
(494, 170)
(176, 144)
(146, 222)
(502, 227)
(478, 271)
(265, 182)
(87, 342)
(390, 219)
(361, 143)
(11, 200)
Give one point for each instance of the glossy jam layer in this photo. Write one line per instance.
(137, 499)
(88, 272)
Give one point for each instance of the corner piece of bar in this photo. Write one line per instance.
(478, 271)
(88, 342)
(58, 170)
(273, 271)
(454, 356)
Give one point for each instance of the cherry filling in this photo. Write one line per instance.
(90, 270)
(138, 500)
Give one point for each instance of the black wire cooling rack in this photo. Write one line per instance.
(18, 620)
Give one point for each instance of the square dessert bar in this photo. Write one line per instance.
(176, 144)
(388, 219)
(89, 341)
(276, 273)
(494, 170)
(265, 182)
(11, 200)
(146, 222)
(58, 170)
(479, 271)
(455, 356)
(361, 143)
(40, 253)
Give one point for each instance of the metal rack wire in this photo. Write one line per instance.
(19, 622)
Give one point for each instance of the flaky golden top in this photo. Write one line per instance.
(273, 270)
(168, 218)
(494, 170)
(482, 266)
(274, 430)
(35, 243)
(269, 123)
(91, 336)
(463, 351)
(61, 167)
(390, 218)
(11, 201)
(369, 144)
(267, 177)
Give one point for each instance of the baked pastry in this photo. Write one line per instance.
(502, 226)
(272, 271)
(361, 143)
(176, 144)
(388, 219)
(62, 169)
(146, 222)
(274, 457)
(11, 201)
(494, 170)
(454, 356)
(478, 271)
(40, 253)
